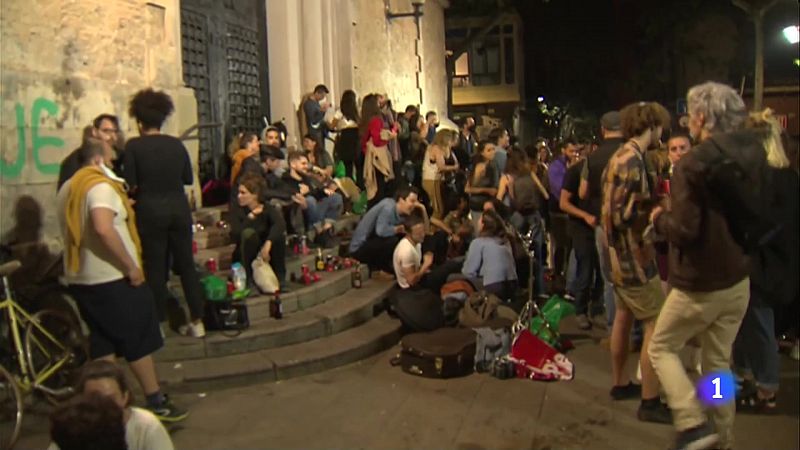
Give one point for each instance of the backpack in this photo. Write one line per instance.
(526, 196)
(745, 195)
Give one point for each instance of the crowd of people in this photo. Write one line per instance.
(632, 228)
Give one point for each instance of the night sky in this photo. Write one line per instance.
(594, 55)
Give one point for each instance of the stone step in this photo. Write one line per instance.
(224, 254)
(337, 314)
(281, 363)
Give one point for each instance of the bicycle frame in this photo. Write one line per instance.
(18, 317)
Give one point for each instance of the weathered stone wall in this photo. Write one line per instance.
(357, 49)
(65, 62)
(384, 54)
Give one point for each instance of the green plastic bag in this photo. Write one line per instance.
(360, 205)
(554, 311)
(215, 288)
(340, 171)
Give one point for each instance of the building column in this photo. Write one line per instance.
(286, 64)
(311, 27)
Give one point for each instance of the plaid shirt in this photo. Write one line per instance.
(627, 202)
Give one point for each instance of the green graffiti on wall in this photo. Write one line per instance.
(14, 169)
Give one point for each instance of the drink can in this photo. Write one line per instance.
(211, 265)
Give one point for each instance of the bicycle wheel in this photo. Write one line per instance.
(42, 354)
(10, 409)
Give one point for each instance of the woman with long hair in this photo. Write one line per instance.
(438, 160)
(258, 229)
(482, 183)
(377, 163)
(346, 122)
(157, 167)
(247, 146)
(490, 258)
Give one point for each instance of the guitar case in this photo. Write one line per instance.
(443, 353)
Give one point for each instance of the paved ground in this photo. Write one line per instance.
(372, 405)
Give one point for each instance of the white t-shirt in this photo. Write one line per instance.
(95, 266)
(142, 432)
(406, 255)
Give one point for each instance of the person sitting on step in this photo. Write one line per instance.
(490, 259)
(323, 205)
(380, 229)
(258, 229)
(414, 262)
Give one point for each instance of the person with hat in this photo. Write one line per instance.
(591, 192)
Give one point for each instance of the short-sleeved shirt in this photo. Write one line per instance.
(143, 431)
(95, 267)
(406, 255)
(572, 184)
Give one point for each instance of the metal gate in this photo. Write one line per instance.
(225, 61)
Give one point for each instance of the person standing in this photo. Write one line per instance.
(347, 147)
(378, 167)
(709, 270)
(483, 181)
(627, 202)
(314, 108)
(439, 160)
(102, 267)
(157, 167)
(104, 127)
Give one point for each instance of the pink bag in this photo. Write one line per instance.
(536, 360)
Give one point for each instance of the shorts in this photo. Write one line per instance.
(644, 301)
(121, 318)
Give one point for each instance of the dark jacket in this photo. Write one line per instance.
(776, 264)
(703, 255)
(269, 225)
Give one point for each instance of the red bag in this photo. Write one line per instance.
(536, 360)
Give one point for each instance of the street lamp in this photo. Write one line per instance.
(792, 34)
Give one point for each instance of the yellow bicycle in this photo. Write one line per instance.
(39, 352)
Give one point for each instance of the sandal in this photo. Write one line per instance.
(753, 403)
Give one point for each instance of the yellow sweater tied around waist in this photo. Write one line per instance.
(84, 180)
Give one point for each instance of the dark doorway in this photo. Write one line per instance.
(224, 46)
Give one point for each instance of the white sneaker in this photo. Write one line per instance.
(193, 330)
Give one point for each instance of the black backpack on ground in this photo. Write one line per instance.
(418, 309)
(443, 353)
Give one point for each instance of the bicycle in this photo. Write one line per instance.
(42, 353)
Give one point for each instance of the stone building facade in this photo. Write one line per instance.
(65, 62)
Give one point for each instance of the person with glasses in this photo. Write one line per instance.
(105, 127)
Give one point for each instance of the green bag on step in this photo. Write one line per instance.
(360, 205)
(340, 171)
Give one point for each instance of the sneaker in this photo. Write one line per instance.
(583, 322)
(191, 329)
(698, 438)
(626, 392)
(659, 414)
(168, 412)
(569, 297)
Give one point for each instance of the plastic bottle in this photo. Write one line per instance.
(239, 277)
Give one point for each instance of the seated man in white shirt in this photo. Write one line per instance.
(413, 268)
(409, 264)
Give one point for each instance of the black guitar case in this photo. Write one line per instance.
(443, 353)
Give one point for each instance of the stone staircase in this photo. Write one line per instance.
(325, 325)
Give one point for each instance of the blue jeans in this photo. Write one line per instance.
(755, 350)
(535, 224)
(605, 271)
(329, 208)
(588, 282)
